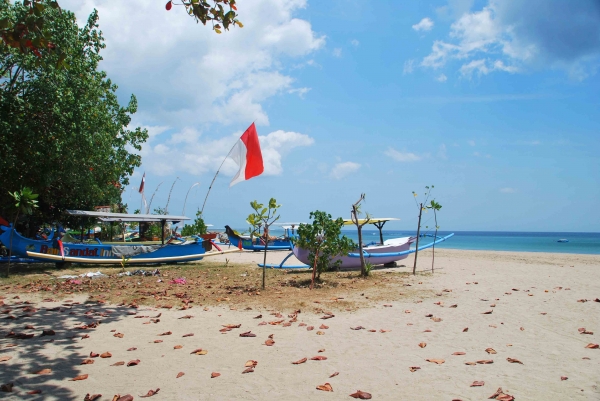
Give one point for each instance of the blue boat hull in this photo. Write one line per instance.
(246, 243)
(103, 253)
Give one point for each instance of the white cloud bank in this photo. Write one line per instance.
(514, 36)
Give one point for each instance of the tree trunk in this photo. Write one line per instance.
(363, 268)
(434, 239)
(418, 233)
(264, 262)
(312, 283)
(10, 246)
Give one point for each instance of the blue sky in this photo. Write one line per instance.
(495, 103)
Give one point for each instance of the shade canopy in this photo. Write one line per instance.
(107, 217)
(372, 220)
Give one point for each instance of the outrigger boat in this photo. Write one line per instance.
(54, 250)
(258, 243)
(385, 253)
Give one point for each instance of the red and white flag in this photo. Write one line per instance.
(142, 184)
(246, 153)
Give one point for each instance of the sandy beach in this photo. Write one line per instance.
(525, 322)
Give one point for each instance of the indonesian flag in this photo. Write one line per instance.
(246, 153)
(142, 184)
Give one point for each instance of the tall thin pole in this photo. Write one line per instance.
(215, 177)
(418, 232)
(186, 196)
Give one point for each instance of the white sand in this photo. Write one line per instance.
(521, 285)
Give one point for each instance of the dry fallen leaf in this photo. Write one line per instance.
(150, 393)
(127, 397)
(485, 361)
(248, 370)
(5, 358)
(500, 396)
(179, 375)
(188, 335)
(178, 347)
(92, 397)
(438, 361)
(592, 346)
(298, 362)
(94, 355)
(334, 374)
(131, 349)
(166, 333)
(490, 351)
(251, 363)
(106, 355)
(414, 368)
(488, 312)
(477, 384)
(87, 362)
(362, 395)
(325, 387)
(459, 353)
(120, 363)
(318, 358)
(199, 351)
(133, 362)
(80, 377)
(46, 371)
(512, 360)
(563, 378)
(422, 345)
(247, 334)
(33, 392)
(471, 363)
(269, 342)
(214, 374)
(465, 329)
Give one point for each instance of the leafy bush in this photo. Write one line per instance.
(324, 241)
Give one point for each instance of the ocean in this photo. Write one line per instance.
(582, 243)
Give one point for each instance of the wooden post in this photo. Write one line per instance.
(418, 233)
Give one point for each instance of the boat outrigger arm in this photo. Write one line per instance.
(377, 222)
(381, 255)
(114, 261)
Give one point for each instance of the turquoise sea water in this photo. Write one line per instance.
(586, 243)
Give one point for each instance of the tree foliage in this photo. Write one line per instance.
(263, 216)
(198, 228)
(324, 241)
(62, 130)
(31, 31)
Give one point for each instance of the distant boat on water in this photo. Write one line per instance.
(563, 240)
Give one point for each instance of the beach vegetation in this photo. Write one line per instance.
(422, 209)
(323, 239)
(63, 132)
(263, 216)
(435, 207)
(354, 213)
(197, 228)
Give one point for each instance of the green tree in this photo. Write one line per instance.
(29, 32)
(436, 208)
(324, 242)
(354, 213)
(24, 202)
(263, 216)
(198, 228)
(62, 130)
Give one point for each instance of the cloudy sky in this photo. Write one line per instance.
(493, 102)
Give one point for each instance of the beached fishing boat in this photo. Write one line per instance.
(258, 243)
(55, 250)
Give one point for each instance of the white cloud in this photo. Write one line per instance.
(204, 155)
(354, 42)
(513, 36)
(442, 78)
(337, 52)
(531, 143)
(341, 170)
(409, 66)
(401, 156)
(426, 24)
(443, 152)
(471, 142)
(300, 91)
(508, 190)
(184, 74)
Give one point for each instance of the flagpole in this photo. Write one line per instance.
(219, 169)
(215, 177)
(186, 196)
